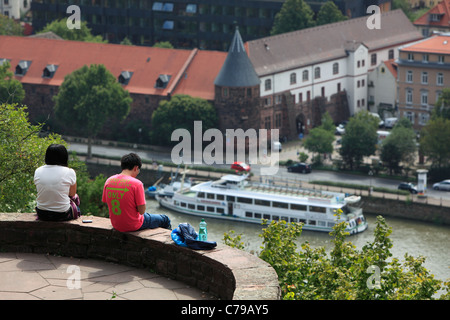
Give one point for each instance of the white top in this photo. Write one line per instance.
(53, 183)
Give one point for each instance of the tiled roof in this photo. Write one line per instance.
(190, 71)
(327, 42)
(442, 9)
(439, 44)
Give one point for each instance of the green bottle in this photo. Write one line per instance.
(202, 233)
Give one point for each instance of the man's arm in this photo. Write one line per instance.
(141, 209)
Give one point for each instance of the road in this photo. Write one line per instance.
(282, 172)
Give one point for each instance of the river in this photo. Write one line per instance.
(412, 237)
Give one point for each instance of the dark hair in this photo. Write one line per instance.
(57, 154)
(129, 161)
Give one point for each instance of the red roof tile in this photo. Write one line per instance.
(442, 8)
(439, 44)
(146, 63)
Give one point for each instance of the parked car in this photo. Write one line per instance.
(408, 186)
(300, 167)
(240, 166)
(443, 185)
(390, 122)
(340, 129)
(277, 146)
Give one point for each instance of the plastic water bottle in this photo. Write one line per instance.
(202, 233)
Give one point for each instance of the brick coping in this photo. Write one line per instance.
(225, 272)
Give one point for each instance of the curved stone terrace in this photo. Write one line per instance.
(45, 260)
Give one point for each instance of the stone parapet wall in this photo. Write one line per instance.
(225, 272)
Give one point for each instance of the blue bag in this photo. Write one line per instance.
(185, 236)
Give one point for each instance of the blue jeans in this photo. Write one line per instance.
(152, 221)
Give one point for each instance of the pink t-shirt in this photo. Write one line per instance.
(123, 194)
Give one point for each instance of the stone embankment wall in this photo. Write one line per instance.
(225, 272)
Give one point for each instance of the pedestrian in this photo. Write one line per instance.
(56, 186)
(125, 197)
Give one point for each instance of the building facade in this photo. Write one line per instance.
(423, 72)
(437, 19)
(14, 8)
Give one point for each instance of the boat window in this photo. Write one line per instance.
(201, 194)
(276, 218)
(230, 198)
(183, 204)
(293, 219)
(312, 222)
(244, 200)
(249, 214)
(266, 216)
(220, 210)
(210, 209)
(279, 204)
(302, 221)
(210, 195)
(322, 223)
(300, 207)
(201, 208)
(220, 197)
(318, 209)
(285, 219)
(345, 210)
(176, 202)
(258, 215)
(262, 202)
(331, 224)
(191, 206)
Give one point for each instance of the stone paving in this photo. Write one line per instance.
(28, 276)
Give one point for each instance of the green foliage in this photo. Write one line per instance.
(163, 44)
(434, 141)
(399, 146)
(319, 140)
(89, 97)
(329, 13)
(22, 151)
(181, 112)
(233, 240)
(303, 157)
(346, 272)
(360, 139)
(294, 15)
(442, 106)
(89, 190)
(59, 27)
(11, 90)
(9, 27)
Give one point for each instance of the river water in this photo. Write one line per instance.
(412, 237)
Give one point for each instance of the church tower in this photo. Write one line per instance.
(237, 96)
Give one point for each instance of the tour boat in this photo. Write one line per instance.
(233, 197)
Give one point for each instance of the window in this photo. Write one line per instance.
(391, 54)
(49, 71)
(157, 6)
(201, 208)
(162, 81)
(424, 77)
(373, 59)
(276, 204)
(440, 79)
(168, 25)
(267, 123)
(22, 67)
(268, 85)
(441, 59)
(191, 206)
(423, 118)
(293, 78)
(210, 209)
(410, 116)
(317, 73)
(410, 56)
(210, 196)
(168, 7)
(305, 75)
(409, 96)
(191, 8)
(425, 58)
(244, 200)
(409, 76)
(424, 98)
(262, 202)
(124, 77)
(336, 68)
(300, 207)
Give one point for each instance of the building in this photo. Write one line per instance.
(204, 24)
(437, 19)
(14, 8)
(423, 72)
(382, 89)
(352, 8)
(329, 63)
(149, 74)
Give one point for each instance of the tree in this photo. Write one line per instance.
(434, 141)
(319, 140)
(11, 90)
(59, 27)
(163, 44)
(21, 152)
(399, 146)
(294, 15)
(88, 98)
(442, 106)
(180, 112)
(360, 139)
(329, 13)
(327, 122)
(9, 27)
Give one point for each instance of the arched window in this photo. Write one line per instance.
(305, 75)
(317, 73)
(293, 78)
(268, 84)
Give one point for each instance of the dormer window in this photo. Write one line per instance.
(49, 71)
(162, 81)
(125, 77)
(22, 67)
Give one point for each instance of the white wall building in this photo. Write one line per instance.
(14, 8)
